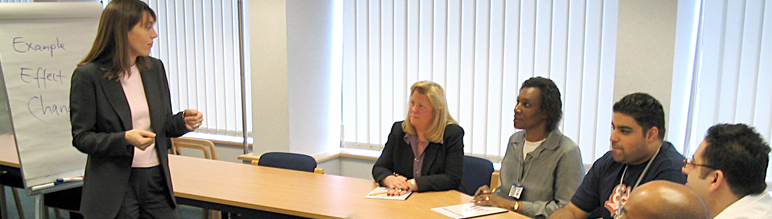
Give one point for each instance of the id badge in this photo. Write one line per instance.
(516, 191)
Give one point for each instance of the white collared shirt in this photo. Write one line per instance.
(751, 206)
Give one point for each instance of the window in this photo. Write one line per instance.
(732, 71)
(198, 43)
(480, 52)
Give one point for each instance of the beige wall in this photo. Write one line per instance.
(290, 68)
(268, 63)
(645, 48)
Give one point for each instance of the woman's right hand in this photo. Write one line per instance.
(396, 182)
(140, 138)
(483, 190)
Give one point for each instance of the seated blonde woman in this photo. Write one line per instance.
(425, 152)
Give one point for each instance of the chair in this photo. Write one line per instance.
(477, 172)
(207, 147)
(290, 161)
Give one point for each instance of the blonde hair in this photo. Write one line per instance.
(441, 117)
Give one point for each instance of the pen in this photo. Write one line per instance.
(379, 193)
(61, 180)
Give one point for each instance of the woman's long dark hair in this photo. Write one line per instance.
(112, 44)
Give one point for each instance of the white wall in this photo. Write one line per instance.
(309, 57)
(268, 63)
(645, 48)
(290, 68)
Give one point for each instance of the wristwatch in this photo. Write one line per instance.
(516, 206)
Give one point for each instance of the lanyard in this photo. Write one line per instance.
(528, 166)
(644, 170)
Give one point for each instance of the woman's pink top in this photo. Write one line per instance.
(140, 116)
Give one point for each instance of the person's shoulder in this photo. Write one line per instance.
(397, 127)
(670, 155)
(92, 66)
(518, 136)
(604, 162)
(157, 64)
(154, 59)
(567, 143)
(92, 69)
(453, 129)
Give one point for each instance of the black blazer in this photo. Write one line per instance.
(100, 115)
(443, 164)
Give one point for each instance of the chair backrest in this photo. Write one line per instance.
(287, 160)
(206, 146)
(477, 172)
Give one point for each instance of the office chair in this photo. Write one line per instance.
(290, 161)
(477, 172)
(207, 147)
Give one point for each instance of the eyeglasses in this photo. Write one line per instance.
(690, 161)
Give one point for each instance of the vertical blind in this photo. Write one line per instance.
(733, 69)
(480, 52)
(199, 45)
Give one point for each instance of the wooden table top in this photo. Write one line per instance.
(299, 193)
(8, 154)
(285, 191)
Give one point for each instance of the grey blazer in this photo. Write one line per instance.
(551, 173)
(100, 115)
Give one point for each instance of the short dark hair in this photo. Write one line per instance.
(740, 152)
(646, 111)
(550, 99)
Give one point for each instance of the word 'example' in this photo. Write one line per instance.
(22, 46)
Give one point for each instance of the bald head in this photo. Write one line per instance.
(664, 199)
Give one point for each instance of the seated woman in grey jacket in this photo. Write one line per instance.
(542, 167)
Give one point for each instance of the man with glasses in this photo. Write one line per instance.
(664, 200)
(638, 155)
(728, 171)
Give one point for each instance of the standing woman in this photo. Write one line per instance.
(121, 117)
(542, 168)
(426, 151)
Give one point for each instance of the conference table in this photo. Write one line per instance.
(273, 192)
(8, 155)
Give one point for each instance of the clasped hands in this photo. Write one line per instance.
(399, 185)
(142, 139)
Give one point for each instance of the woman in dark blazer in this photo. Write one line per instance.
(121, 117)
(426, 151)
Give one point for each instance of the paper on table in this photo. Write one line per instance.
(380, 193)
(468, 210)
